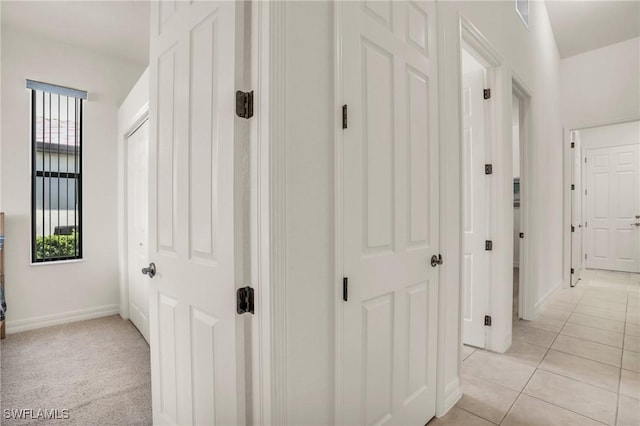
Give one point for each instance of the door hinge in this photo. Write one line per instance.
(573, 228)
(585, 160)
(345, 120)
(522, 235)
(585, 192)
(488, 245)
(244, 104)
(487, 320)
(585, 224)
(585, 256)
(486, 93)
(488, 169)
(573, 144)
(573, 187)
(345, 289)
(244, 300)
(573, 271)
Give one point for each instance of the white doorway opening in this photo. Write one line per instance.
(488, 198)
(616, 245)
(523, 236)
(605, 198)
(518, 233)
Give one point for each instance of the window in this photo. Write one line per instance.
(522, 7)
(56, 172)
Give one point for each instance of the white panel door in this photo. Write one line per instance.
(390, 213)
(474, 211)
(576, 210)
(613, 207)
(191, 194)
(138, 226)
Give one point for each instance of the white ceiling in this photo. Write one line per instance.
(583, 25)
(115, 28)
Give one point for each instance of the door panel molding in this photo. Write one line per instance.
(197, 337)
(396, 143)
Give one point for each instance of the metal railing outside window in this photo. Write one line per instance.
(56, 172)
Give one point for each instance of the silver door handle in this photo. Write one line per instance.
(151, 270)
(635, 224)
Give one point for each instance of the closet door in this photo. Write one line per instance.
(613, 208)
(387, 360)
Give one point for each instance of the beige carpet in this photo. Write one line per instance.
(98, 370)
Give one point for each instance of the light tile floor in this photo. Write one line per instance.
(578, 363)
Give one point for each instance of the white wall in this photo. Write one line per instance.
(613, 135)
(45, 294)
(309, 213)
(132, 109)
(601, 86)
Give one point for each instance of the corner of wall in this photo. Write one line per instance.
(541, 302)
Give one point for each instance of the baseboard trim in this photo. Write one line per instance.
(540, 303)
(17, 326)
(453, 393)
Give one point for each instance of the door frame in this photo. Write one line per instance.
(567, 158)
(528, 254)
(267, 140)
(126, 128)
(500, 186)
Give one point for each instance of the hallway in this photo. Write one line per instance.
(577, 364)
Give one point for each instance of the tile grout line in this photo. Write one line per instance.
(548, 349)
(624, 329)
(538, 368)
(478, 415)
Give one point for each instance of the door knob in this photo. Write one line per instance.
(151, 270)
(436, 260)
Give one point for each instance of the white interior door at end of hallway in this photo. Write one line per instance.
(193, 320)
(390, 213)
(474, 210)
(613, 206)
(576, 209)
(138, 226)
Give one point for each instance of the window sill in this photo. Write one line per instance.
(58, 262)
